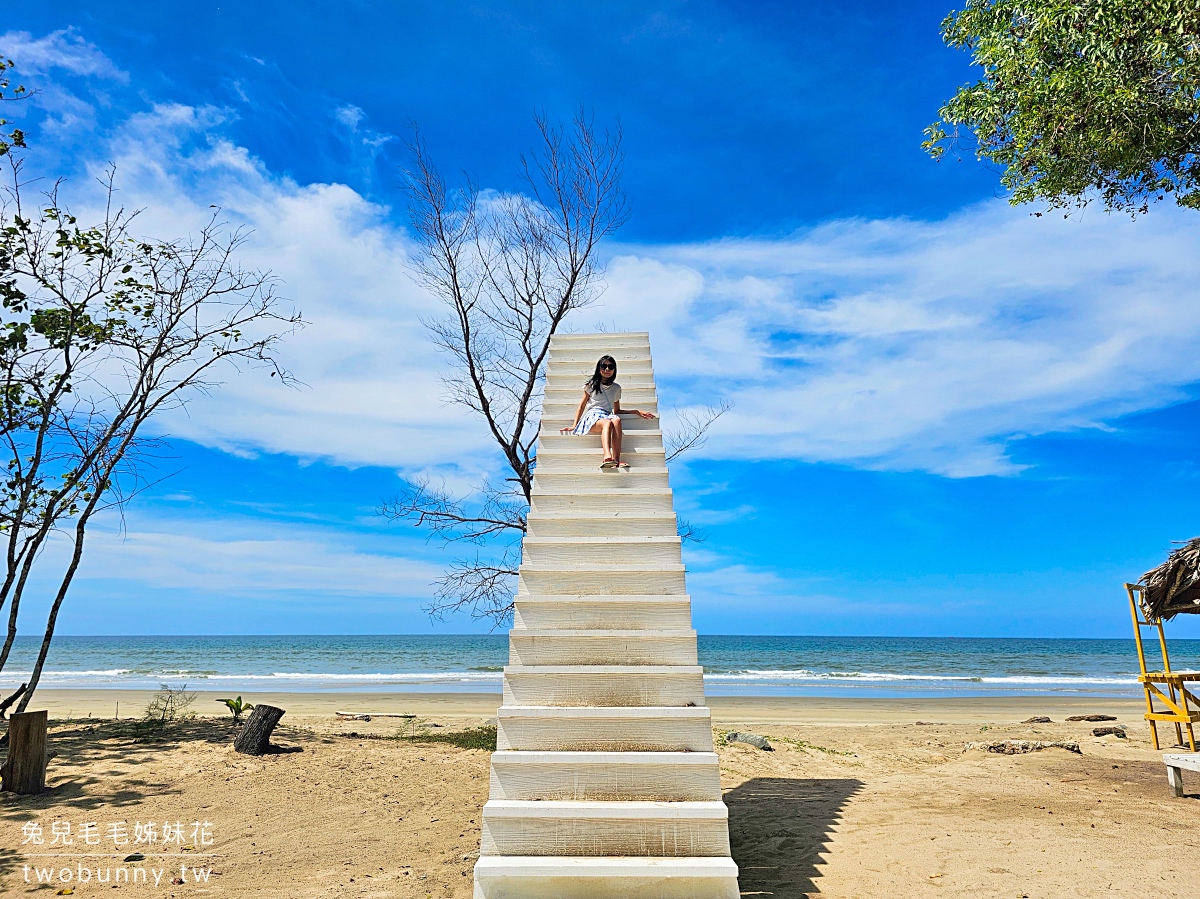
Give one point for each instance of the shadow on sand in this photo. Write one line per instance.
(778, 828)
(110, 752)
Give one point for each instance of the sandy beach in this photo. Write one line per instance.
(860, 798)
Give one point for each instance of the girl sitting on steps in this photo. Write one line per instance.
(600, 412)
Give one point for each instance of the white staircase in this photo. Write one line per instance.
(604, 781)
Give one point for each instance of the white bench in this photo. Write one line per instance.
(1176, 763)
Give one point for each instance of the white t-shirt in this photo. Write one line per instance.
(604, 398)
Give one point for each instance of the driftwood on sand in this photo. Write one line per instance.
(367, 716)
(1017, 747)
(755, 740)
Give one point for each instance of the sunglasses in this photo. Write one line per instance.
(607, 367)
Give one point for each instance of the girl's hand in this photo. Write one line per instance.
(566, 430)
(647, 415)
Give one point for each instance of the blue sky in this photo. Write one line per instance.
(950, 417)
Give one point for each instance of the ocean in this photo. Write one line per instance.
(733, 665)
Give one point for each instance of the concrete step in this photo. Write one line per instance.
(598, 348)
(609, 478)
(587, 356)
(604, 828)
(630, 424)
(552, 421)
(614, 338)
(601, 339)
(648, 442)
(613, 524)
(582, 364)
(601, 647)
(605, 498)
(587, 462)
(662, 776)
(580, 459)
(549, 877)
(625, 729)
(627, 613)
(568, 386)
(567, 409)
(572, 446)
(631, 395)
(584, 358)
(627, 580)
(604, 685)
(635, 438)
(572, 382)
(600, 549)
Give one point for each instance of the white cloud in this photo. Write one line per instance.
(64, 49)
(353, 117)
(887, 344)
(349, 115)
(920, 345)
(182, 554)
(68, 114)
(373, 392)
(179, 572)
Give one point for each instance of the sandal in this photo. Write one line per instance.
(622, 465)
(608, 463)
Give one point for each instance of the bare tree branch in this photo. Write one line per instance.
(448, 517)
(691, 428)
(688, 532)
(482, 588)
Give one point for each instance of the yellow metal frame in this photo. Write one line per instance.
(1178, 695)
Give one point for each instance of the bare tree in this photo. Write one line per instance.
(102, 331)
(509, 268)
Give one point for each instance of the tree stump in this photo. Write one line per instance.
(25, 770)
(255, 736)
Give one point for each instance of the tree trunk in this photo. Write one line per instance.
(255, 736)
(11, 699)
(25, 770)
(80, 530)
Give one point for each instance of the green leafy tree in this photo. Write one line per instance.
(102, 330)
(1080, 99)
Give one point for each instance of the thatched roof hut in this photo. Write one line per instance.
(1174, 586)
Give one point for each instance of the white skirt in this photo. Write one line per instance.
(589, 421)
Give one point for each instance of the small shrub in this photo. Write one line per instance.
(168, 704)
